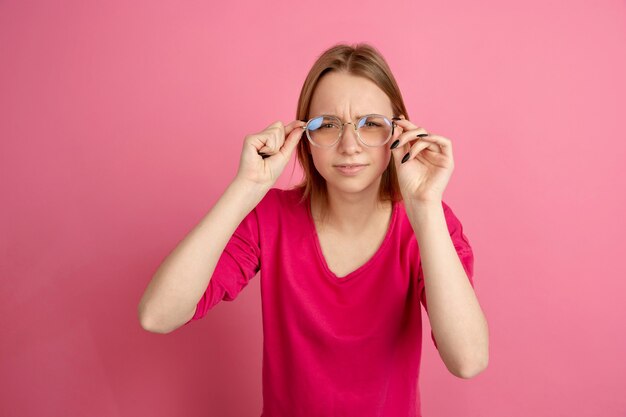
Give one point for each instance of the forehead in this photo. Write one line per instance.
(344, 94)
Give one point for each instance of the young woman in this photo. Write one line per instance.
(345, 257)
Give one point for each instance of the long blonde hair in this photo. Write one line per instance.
(363, 60)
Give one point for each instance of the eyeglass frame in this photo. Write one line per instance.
(356, 129)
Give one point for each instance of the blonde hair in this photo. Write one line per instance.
(363, 60)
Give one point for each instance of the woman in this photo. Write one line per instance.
(342, 274)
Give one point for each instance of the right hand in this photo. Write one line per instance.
(254, 168)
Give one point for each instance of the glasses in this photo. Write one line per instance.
(372, 130)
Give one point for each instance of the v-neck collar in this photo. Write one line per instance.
(320, 255)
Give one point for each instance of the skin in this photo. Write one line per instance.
(457, 320)
(353, 201)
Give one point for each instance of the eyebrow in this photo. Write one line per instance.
(358, 116)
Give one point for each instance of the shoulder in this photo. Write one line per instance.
(281, 196)
(277, 200)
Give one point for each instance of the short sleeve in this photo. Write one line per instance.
(463, 250)
(238, 264)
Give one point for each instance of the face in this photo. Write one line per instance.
(346, 96)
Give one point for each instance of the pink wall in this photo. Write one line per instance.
(122, 124)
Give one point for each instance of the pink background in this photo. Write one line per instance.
(122, 124)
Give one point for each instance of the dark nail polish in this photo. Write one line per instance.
(395, 144)
(421, 135)
(396, 118)
(406, 158)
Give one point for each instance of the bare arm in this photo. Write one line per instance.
(170, 298)
(458, 323)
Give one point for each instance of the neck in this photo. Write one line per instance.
(352, 213)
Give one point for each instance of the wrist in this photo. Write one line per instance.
(425, 216)
(422, 204)
(250, 187)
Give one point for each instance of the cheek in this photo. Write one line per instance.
(320, 160)
(383, 158)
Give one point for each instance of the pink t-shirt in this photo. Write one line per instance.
(332, 346)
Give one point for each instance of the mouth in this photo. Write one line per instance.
(349, 165)
(350, 169)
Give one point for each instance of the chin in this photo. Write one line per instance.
(350, 184)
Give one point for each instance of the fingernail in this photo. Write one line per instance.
(405, 158)
(421, 135)
(396, 118)
(395, 144)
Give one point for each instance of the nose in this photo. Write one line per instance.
(349, 142)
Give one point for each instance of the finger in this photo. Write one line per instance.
(407, 139)
(294, 124)
(292, 141)
(443, 144)
(410, 133)
(405, 124)
(416, 149)
(286, 147)
(276, 134)
(271, 143)
(276, 125)
(257, 141)
(266, 142)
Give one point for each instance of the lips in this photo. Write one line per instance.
(350, 169)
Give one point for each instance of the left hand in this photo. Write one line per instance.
(426, 173)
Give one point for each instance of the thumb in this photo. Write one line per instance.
(292, 141)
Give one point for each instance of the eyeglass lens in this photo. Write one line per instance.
(374, 130)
